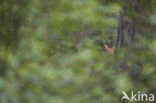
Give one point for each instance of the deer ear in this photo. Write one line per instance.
(106, 46)
(113, 48)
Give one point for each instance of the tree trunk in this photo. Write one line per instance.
(133, 20)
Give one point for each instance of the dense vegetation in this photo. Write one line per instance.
(53, 51)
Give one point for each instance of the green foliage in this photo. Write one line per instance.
(52, 51)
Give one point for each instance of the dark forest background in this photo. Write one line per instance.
(53, 51)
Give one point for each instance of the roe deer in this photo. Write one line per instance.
(109, 50)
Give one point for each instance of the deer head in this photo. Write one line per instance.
(109, 50)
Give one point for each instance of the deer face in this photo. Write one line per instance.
(109, 50)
